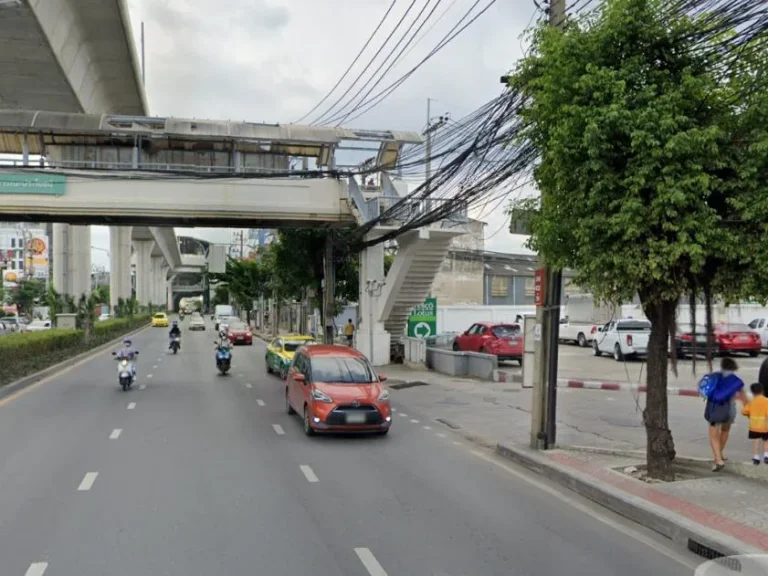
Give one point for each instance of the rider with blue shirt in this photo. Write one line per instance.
(720, 410)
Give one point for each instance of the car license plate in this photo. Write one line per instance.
(355, 418)
(512, 342)
(743, 338)
(239, 337)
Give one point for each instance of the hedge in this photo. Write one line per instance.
(23, 353)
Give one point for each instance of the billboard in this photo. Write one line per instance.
(36, 259)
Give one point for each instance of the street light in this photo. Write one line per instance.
(372, 288)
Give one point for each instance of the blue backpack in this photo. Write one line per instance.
(708, 383)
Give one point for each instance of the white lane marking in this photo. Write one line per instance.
(308, 473)
(440, 435)
(457, 443)
(149, 375)
(36, 569)
(249, 385)
(403, 414)
(143, 387)
(115, 434)
(370, 562)
(260, 402)
(589, 511)
(414, 421)
(241, 375)
(159, 359)
(155, 366)
(394, 409)
(278, 429)
(132, 405)
(88, 481)
(427, 427)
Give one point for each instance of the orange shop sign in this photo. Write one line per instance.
(538, 287)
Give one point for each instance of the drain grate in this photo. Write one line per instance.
(731, 563)
(404, 385)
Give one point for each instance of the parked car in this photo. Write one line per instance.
(625, 338)
(240, 333)
(196, 322)
(160, 320)
(36, 326)
(684, 340)
(760, 325)
(502, 340)
(103, 317)
(281, 350)
(581, 333)
(733, 337)
(334, 389)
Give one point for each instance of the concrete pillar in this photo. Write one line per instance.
(156, 281)
(144, 271)
(119, 264)
(372, 268)
(162, 286)
(72, 259)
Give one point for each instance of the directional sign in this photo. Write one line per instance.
(422, 322)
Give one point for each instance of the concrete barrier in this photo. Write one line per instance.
(472, 364)
(415, 350)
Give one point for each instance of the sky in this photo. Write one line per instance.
(273, 60)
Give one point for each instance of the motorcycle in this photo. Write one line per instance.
(124, 370)
(175, 344)
(223, 356)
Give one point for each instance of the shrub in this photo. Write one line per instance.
(25, 353)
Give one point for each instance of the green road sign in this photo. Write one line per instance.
(54, 184)
(422, 322)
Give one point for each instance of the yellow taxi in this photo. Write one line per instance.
(160, 320)
(280, 352)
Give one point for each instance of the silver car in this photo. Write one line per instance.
(196, 322)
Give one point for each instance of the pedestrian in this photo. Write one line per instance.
(757, 412)
(349, 332)
(720, 410)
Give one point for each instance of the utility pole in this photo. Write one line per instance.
(544, 412)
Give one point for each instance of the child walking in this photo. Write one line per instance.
(757, 412)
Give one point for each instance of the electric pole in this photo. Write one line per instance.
(433, 125)
(544, 412)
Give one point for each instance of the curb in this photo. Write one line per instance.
(27, 381)
(619, 387)
(682, 531)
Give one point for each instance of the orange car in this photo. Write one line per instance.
(335, 389)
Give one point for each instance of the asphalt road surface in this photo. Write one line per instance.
(199, 474)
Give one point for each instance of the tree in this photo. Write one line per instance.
(101, 293)
(243, 281)
(27, 293)
(649, 167)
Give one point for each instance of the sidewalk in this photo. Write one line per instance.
(601, 434)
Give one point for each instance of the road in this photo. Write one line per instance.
(202, 474)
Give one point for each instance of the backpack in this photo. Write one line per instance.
(708, 383)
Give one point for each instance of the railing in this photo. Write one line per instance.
(168, 167)
(455, 211)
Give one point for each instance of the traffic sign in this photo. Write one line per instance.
(422, 323)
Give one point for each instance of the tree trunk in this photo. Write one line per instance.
(660, 445)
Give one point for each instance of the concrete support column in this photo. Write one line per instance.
(72, 259)
(155, 279)
(372, 268)
(119, 264)
(144, 271)
(163, 284)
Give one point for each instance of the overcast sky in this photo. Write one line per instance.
(273, 60)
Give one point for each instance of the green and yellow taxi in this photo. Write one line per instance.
(280, 352)
(160, 320)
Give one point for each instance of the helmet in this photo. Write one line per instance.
(175, 323)
(127, 343)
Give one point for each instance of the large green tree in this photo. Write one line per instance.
(650, 167)
(244, 280)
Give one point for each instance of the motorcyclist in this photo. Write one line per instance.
(128, 353)
(174, 333)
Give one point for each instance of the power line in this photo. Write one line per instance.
(340, 80)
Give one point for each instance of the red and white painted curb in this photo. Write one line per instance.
(506, 376)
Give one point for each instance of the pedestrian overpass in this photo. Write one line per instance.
(155, 173)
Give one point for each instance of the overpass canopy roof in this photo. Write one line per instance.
(42, 129)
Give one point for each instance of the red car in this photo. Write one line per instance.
(502, 340)
(737, 338)
(335, 389)
(240, 333)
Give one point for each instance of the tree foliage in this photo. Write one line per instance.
(651, 168)
(27, 294)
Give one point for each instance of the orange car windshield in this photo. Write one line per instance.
(342, 370)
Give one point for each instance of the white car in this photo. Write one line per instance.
(626, 338)
(196, 322)
(104, 317)
(37, 326)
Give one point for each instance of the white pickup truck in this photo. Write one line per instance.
(626, 338)
(582, 333)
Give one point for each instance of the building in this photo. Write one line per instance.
(460, 280)
(24, 252)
